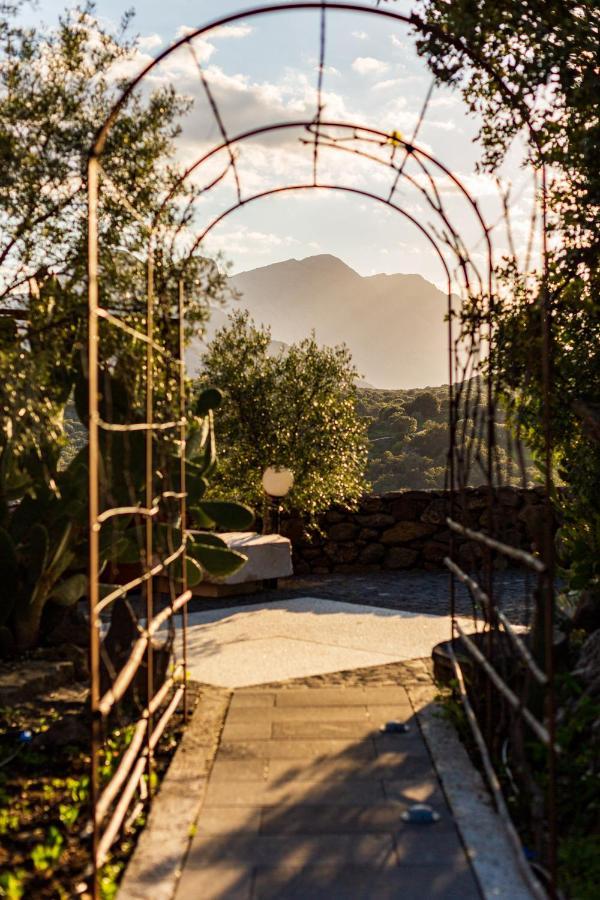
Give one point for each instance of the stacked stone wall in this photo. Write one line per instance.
(408, 530)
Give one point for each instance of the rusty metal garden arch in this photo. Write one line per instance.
(111, 802)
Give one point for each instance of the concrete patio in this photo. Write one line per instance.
(259, 643)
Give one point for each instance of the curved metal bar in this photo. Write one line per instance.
(361, 132)
(327, 187)
(270, 9)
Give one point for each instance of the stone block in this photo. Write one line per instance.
(341, 553)
(349, 748)
(372, 553)
(344, 531)
(251, 700)
(368, 534)
(333, 730)
(436, 512)
(216, 882)
(333, 516)
(370, 505)
(470, 553)
(259, 729)
(534, 518)
(403, 532)
(400, 558)
(376, 520)
(435, 551)
(509, 496)
(303, 851)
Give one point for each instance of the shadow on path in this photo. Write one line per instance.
(305, 801)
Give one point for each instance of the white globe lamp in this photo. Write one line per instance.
(277, 482)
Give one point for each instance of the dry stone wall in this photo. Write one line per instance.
(408, 530)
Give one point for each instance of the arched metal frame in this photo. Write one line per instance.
(110, 806)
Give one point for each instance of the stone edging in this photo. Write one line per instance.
(488, 847)
(155, 867)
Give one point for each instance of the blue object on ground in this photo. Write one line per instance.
(395, 727)
(420, 814)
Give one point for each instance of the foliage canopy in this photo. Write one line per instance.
(296, 408)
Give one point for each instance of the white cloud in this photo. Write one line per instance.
(368, 65)
(443, 101)
(150, 42)
(397, 42)
(360, 35)
(388, 83)
(329, 70)
(443, 125)
(244, 241)
(231, 31)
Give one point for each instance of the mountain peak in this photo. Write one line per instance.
(321, 264)
(393, 324)
(326, 260)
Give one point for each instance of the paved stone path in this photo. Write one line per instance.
(306, 795)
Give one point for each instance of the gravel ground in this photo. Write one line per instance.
(413, 591)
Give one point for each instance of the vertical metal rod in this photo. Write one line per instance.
(183, 489)
(549, 555)
(93, 492)
(452, 584)
(149, 551)
(489, 559)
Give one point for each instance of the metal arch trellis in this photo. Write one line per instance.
(112, 801)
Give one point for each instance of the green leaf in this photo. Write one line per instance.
(196, 488)
(209, 399)
(68, 592)
(217, 561)
(62, 547)
(233, 516)
(205, 537)
(200, 518)
(193, 571)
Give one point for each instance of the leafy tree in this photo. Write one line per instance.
(56, 87)
(295, 409)
(532, 69)
(402, 425)
(424, 406)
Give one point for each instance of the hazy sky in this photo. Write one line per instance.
(265, 70)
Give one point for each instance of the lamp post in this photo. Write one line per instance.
(277, 482)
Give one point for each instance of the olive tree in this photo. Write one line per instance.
(296, 408)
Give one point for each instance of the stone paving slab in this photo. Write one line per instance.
(362, 883)
(319, 793)
(373, 850)
(305, 799)
(375, 818)
(401, 763)
(299, 750)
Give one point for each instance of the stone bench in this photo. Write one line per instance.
(269, 558)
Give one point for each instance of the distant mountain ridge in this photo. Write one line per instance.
(393, 324)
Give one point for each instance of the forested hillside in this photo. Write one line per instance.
(409, 437)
